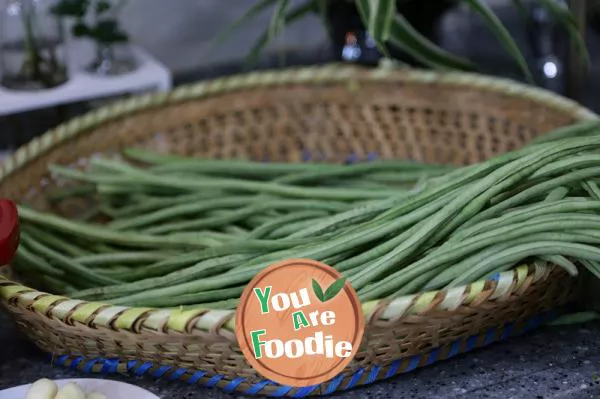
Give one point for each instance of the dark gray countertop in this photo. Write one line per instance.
(554, 362)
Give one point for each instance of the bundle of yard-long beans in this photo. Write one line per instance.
(171, 231)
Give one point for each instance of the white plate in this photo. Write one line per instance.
(110, 389)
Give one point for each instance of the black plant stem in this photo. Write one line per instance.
(576, 70)
(34, 60)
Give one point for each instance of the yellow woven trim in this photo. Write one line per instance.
(62, 309)
(398, 307)
(216, 317)
(475, 289)
(157, 319)
(230, 325)
(369, 307)
(43, 304)
(84, 312)
(205, 320)
(107, 315)
(179, 320)
(503, 285)
(9, 291)
(424, 301)
(522, 273)
(540, 272)
(27, 298)
(128, 319)
(489, 83)
(509, 281)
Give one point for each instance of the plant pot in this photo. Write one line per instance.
(33, 53)
(350, 41)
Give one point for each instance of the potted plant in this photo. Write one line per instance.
(394, 27)
(33, 54)
(112, 53)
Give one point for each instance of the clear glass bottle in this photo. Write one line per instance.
(113, 52)
(112, 59)
(33, 53)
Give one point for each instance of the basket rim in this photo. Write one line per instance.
(222, 322)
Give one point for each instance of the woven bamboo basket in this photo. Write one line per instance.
(324, 113)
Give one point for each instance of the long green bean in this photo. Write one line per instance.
(67, 264)
(189, 184)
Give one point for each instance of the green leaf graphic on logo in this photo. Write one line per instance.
(318, 290)
(334, 289)
(330, 292)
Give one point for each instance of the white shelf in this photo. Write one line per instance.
(150, 75)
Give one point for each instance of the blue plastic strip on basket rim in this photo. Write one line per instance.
(372, 374)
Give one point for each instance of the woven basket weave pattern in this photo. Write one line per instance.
(331, 114)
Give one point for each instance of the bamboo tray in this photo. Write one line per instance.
(324, 113)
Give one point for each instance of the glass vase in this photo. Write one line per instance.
(113, 52)
(112, 59)
(33, 53)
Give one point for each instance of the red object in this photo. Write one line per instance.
(9, 230)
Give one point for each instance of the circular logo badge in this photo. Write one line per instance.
(299, 323)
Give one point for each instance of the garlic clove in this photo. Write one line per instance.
(42, 389)
(70, 391)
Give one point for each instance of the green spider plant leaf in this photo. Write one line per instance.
(565, 17)
(405, 36)
(278, 25)
(381, 15)
(259, 7)
(322, 10)
(290, 17)
(501, 33)
(521, 10)
(575, 318)
(558, 9)
(363, 7)
(278, 18)
(365, 11)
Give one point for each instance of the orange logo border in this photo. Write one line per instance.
(243, 336)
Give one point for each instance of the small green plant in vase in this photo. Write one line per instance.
(395, 36)
(112, 55)
(32, 54)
